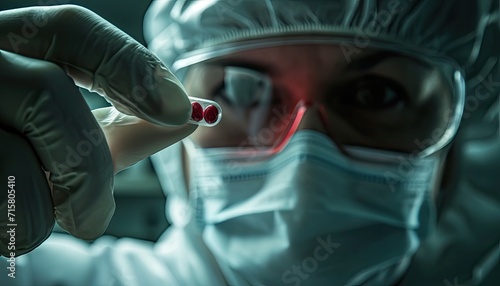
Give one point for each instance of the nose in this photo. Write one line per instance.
(314, 118)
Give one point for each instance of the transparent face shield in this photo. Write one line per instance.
(369, 110)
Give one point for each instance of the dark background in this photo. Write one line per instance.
(140, 203)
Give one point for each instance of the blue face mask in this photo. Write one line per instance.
(309, 215)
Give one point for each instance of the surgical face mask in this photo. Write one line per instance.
(309, 215)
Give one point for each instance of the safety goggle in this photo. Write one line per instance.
(254, 120)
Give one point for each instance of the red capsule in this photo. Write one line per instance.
(211, 114)
(197, 111)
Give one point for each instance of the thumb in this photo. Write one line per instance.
(131, 139)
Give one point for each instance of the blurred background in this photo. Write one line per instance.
(140, 203)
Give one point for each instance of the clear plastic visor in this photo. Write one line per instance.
(371, 109)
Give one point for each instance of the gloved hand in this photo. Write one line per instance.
(45, 123)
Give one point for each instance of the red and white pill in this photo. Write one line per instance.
(205, 112)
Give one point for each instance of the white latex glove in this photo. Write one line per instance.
(44, 121)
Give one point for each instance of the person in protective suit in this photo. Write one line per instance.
(358, 143)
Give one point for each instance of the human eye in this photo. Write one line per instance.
(374, 93)
(230, 99)
(237, 99)
(243, 89)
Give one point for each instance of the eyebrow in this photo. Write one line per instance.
(357, 64)
(260, 67)
(372, 60)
